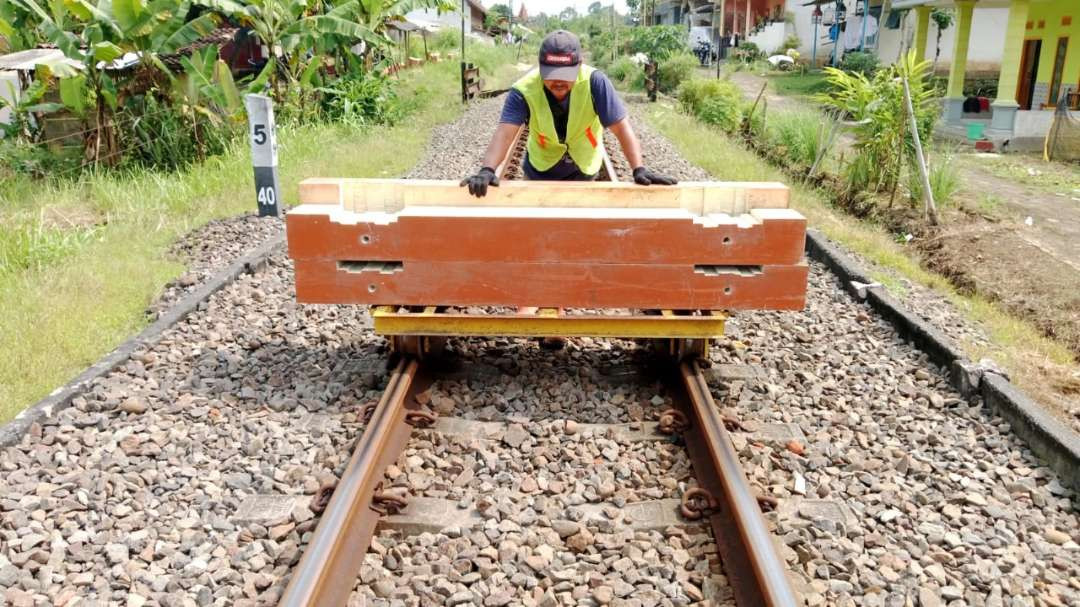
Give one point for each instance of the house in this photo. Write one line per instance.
(474, 17)
(1040, 63)
(762, 21)
(984, 51)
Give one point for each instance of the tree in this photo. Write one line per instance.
(94, 36)
(301, 32)
(497, 16)
(942, 18)
(568, 14)
(595, 8)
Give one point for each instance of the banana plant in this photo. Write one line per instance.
(96, 34)
(16, 27)
(26, 109)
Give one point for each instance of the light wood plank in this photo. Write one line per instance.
(394, 195)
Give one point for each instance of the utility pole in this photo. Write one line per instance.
(719, 34)
(614, 33)
(464, 97)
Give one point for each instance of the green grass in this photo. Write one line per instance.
(1017, 345)
(86, 257)
(798, 85)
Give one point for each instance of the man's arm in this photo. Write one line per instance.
(631, 148)
(500, 144)
(504, 137)
(628, 141)
(514, 114)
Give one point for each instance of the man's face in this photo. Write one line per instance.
(559, 88)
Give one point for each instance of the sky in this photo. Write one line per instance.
(553, 7)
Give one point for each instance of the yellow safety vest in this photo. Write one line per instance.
(584, 133)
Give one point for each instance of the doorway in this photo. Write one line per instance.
(1029, 67)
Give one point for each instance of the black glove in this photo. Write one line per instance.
(478, 183)
(643, 176)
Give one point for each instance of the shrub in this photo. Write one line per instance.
(160, 134)
(721, 113)
(790, 42)
(18, 156)
(447, 38)
(362, 98)
(658, 41)
(748, 52)
(717, 102)
(944, 179)
(674, 70)
(626, 74)
(792, 137)
(882, 138)
(859, 62)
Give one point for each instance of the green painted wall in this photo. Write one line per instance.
(1050, 14)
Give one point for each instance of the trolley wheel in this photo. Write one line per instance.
(419, 347)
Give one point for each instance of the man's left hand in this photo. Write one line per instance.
(643, 176)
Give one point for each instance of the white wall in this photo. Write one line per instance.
(1034, 123)
(985, 45)
(446, 19)
(771, 38)
(803, 27)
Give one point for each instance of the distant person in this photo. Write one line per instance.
(567, 106)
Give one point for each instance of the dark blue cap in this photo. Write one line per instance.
(560, 56)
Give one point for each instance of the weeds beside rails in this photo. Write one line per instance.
(800, 141)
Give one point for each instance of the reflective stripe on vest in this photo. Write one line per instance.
(584, 133)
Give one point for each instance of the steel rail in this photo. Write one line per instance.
(755, 570)
(327, 572)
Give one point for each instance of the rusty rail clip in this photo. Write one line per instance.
(367, 411)
(388, 503)
(321, 499)
(673, 421)
(697, 502)
(419, 419)
(732, 424)
(767, 503)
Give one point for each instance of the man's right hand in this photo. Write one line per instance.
(478, 183)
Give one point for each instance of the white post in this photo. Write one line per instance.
(263, 134)
(924, 176)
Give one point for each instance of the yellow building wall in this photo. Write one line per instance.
(1046, 21)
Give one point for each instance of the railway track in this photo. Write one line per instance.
(614, 168)
(705, 495)
(682, 416)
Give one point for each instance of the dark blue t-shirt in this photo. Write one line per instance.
(606, 103)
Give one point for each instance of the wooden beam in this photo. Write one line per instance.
(554, 285)
(616, 236)
(394, 195)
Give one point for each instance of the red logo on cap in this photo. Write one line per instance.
(562, 59)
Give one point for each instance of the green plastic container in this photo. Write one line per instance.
(975, 131)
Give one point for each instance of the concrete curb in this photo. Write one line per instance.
(1050, 439)
(1047, 437)
(13, 431)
